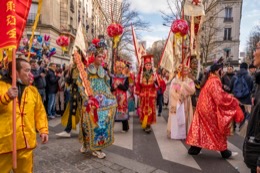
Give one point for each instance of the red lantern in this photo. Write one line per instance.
(114, 30)
(180, 27)
(63, 41)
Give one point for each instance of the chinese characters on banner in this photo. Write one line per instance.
(8, 24)
(13, 19)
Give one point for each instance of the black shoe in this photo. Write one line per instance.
(194, 150)
(226, 154)
(159, 115)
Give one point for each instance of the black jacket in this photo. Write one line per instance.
(254, 122)
(39, 82)
(52, 82)
(250, 84)
(226, 81)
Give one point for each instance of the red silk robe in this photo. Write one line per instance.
(147, 92)
(214, 112)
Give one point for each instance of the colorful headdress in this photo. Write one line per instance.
(147, 59)
(120, 64)
(97, 46)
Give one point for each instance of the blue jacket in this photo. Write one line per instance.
(250, 84)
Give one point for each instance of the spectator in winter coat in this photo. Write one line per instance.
(226, 79)
(39, 78)
(52, 89)
(242, 86)
(60, 94)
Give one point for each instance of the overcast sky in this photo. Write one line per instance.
(150, 11)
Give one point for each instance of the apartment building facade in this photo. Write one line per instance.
(222, 27)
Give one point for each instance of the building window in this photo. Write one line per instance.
(72, 6)
(32, 14)
(228, 14)
(227, 34)
(71, 21)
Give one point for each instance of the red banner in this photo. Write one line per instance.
(22, 11)
(13, 18)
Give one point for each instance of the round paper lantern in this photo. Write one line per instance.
(180, 27)
(114, 30)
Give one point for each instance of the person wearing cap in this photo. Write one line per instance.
(146, 88)
(180, 106)
(214, 112)
(119, 86)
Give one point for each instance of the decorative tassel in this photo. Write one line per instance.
(144, 123)
(116, 40)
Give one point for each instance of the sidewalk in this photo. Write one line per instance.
(62, 156)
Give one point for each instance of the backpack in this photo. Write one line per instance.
(240, 89)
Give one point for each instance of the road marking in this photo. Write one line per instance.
(129, 163)
(54, 122)
(172, 150)
(124, 140)
(237, 162)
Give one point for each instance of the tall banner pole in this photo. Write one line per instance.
(14, 153)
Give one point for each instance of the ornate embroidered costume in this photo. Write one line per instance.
(119, 87)
(98, 134)
(146, 90)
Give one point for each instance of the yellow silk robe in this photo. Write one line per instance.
(30, 116)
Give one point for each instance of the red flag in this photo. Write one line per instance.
(13, 18)
(22, 11)
(139, 50)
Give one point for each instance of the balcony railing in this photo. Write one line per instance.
(228, 19)
(31, 18)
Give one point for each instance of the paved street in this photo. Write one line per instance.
(134, 151)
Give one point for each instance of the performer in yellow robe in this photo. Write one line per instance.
(214, 112)
(30, 116)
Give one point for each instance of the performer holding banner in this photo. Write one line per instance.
(30, 115)
(119, 87)
(146, 89)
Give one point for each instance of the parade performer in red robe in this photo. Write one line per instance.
(119, 87)
(214, 112)
(146, 89)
